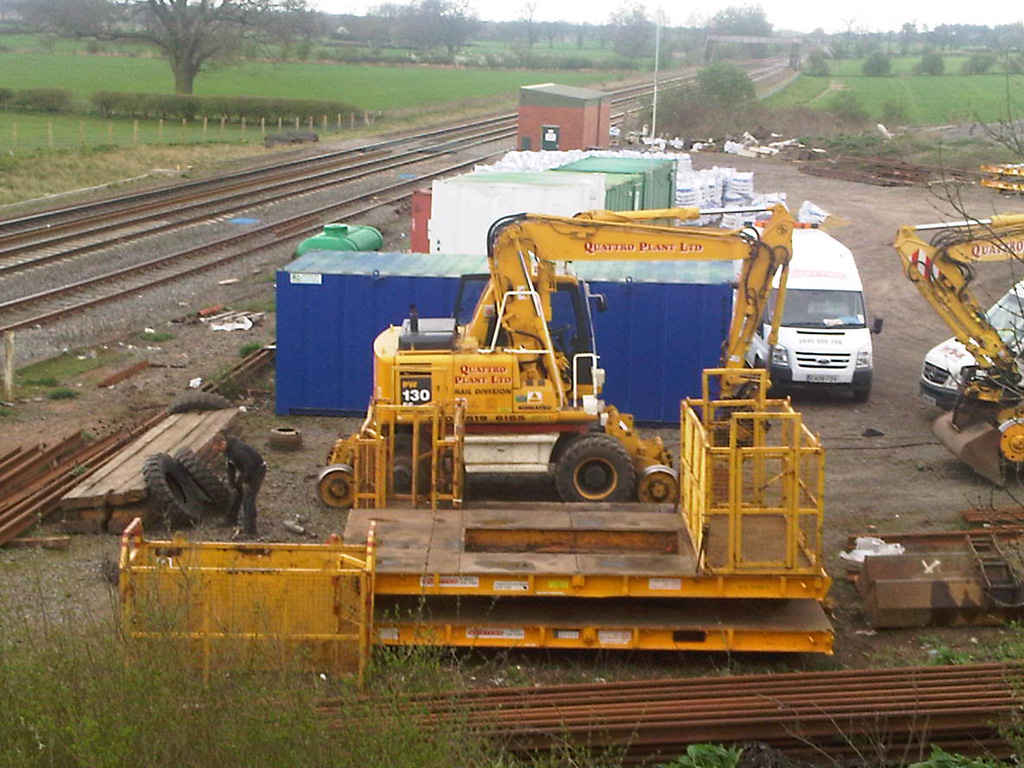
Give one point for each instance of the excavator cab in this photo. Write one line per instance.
(571, 326)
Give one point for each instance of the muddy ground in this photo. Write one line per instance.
(902, 479)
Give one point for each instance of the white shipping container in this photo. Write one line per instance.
(463, 208)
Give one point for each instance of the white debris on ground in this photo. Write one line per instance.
(870, 546)
(810, 213)
(234, 321)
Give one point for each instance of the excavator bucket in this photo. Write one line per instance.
(975, 442)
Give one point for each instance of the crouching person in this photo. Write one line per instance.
(246, 470)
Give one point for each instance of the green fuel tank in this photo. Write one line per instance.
(342, 237)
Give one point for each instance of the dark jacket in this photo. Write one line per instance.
(243, 459)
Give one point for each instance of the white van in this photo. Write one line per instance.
(824, 339)
(940, 374)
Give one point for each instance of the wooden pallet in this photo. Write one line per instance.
(119, 482)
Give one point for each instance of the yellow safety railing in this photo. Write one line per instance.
(752, 482)
(235, 605)
(425, 442)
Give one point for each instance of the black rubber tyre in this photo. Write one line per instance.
(595, 467)
(402, 479)
(194, 400)
(212, 487)
(174, 499)
(861, 394)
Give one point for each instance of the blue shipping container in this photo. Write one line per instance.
(665, 323)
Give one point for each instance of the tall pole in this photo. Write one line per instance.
(657, 56)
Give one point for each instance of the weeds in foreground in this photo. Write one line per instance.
(68, 698)
(707, 756)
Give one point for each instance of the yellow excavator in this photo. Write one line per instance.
(986, 428)
(516, 388)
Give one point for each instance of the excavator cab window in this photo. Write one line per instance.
(470, 289)
(571, 329)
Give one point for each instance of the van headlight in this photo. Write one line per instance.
(864, 358)
(780, 356)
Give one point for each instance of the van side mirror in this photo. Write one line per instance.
(877, 327)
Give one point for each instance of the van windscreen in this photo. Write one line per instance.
(823, 309)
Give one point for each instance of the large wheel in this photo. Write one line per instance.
(211, 486)
(173, 497)
(595, 467)
(194, 400)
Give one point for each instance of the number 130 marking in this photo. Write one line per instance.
(416, 391)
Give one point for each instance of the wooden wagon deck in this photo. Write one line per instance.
(564, 575)
(634, 550)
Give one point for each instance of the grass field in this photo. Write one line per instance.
(405, 89)
(926, 100)
(368, 87)
(901, 65)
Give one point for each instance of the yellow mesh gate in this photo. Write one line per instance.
(308, 606)
(753, 479)
(422, 444)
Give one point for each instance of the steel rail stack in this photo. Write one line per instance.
(889, 716)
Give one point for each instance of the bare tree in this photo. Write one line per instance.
(448, 22)
(529, 26)
(632, 31)
(189, 33)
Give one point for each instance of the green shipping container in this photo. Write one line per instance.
(659, 175)
(623, 191)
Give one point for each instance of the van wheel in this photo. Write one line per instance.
(595, 468)
(861, 394)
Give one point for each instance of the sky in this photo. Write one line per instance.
(796, 15)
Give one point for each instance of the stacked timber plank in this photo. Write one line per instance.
(33, 479)
(116, 492)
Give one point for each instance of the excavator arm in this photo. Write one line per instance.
(524, 252)
(986, 430)
(943, 269)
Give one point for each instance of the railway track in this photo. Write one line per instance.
(890, 715)
(36, 250)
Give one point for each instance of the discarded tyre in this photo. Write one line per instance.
(595, 468)
(194, 401)
(174, 498)
(218, 497)
(285, 439)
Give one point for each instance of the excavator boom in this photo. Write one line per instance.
(986, 429)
